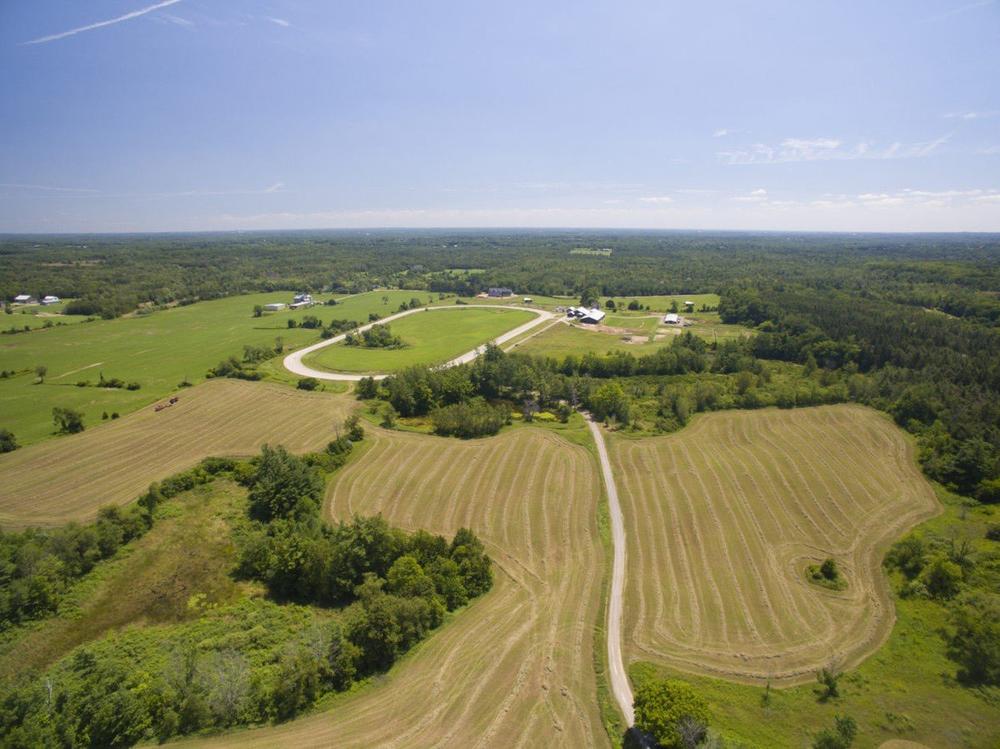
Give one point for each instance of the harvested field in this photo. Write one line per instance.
(723, 518)
(516, 667)
(70, 478)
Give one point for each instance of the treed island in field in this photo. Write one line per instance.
(199, 544)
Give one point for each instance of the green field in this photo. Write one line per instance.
(559, 340)
(157, 350)
(432, 338)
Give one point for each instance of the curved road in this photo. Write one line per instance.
(293, 362)
(620, 686)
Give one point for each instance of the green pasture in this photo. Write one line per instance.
(429, 338)
(889, 694)
(560, 340)
(158, 350)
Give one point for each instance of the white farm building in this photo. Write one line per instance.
(584, 315)
(672, 318)
(274, 307)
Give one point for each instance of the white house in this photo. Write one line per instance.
(672, 318)
(24, 299)
(50, 299)
(274, 307)
(302, 299)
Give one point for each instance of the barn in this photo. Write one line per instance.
(274, 307)
(672, 318)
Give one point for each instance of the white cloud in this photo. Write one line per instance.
(826, 149)
(721, 133)
(101, 24)
(755, 196)
(659, 199)
(276, 187)
(46, 188)
(279, 21)
(178, 20)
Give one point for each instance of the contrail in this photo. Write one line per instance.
(99, 24)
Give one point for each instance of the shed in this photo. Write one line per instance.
(50, 300)
(23, 299)
(274, 307)
(672, 318)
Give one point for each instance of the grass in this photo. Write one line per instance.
(429, 338)
(157, 350)
(727, 513)
(171, 574)
(71, 477)
(518, 666)
(906, 690)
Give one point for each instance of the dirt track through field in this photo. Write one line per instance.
(723, 518)
(517, 667)
(70, 478)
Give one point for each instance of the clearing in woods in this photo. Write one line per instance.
(428, 339)
(723, 518)
(517, 667)
(71, 478)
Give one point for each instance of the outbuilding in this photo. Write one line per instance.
(274, 307)
(24, 299)
(590, 316)
(672, 318)
(500, 291)
(50, 300)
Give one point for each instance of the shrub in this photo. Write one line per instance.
(307, 383)
(8, 442)
(975, 643)
(475, 418)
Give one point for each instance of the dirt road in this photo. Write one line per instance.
(620, 686)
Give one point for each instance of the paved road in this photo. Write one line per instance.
(620, 686)
(293, 362)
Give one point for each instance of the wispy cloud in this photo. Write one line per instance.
(279, 21)
(754, 196)
(826, 149)
(657, 199)
(721, 132)
(958, 10)
(46, 188)
(101, 24)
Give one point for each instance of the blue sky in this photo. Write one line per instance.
(138, 115)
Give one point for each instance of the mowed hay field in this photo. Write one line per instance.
(70, 478)
(723, 518)
(516, 668)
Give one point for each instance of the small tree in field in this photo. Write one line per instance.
(40, 371)
(258, 310)
(8, 442)
(841, 736)
(67, 420)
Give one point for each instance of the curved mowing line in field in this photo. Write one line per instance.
(515, 668)
(293, 362)
(725, 516)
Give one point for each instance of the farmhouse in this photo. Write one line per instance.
(672, 318)
(274, 307)
(50, 300)
(500, 291)
(24, 299)
(302, 298)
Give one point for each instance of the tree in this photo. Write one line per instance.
(610, 304)
(671, 712)
(590, 297)
(388, 417)
(975, 644)
(67, 420)
(942, 578)
(610, 400)
(829, 570)
(407, 578)
(40, 371)
(366, 388)
(355, 432)
(8, 442)
(258, 310)
(283, 486)
(841, 736)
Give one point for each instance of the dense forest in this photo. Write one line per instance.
(111, 275)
